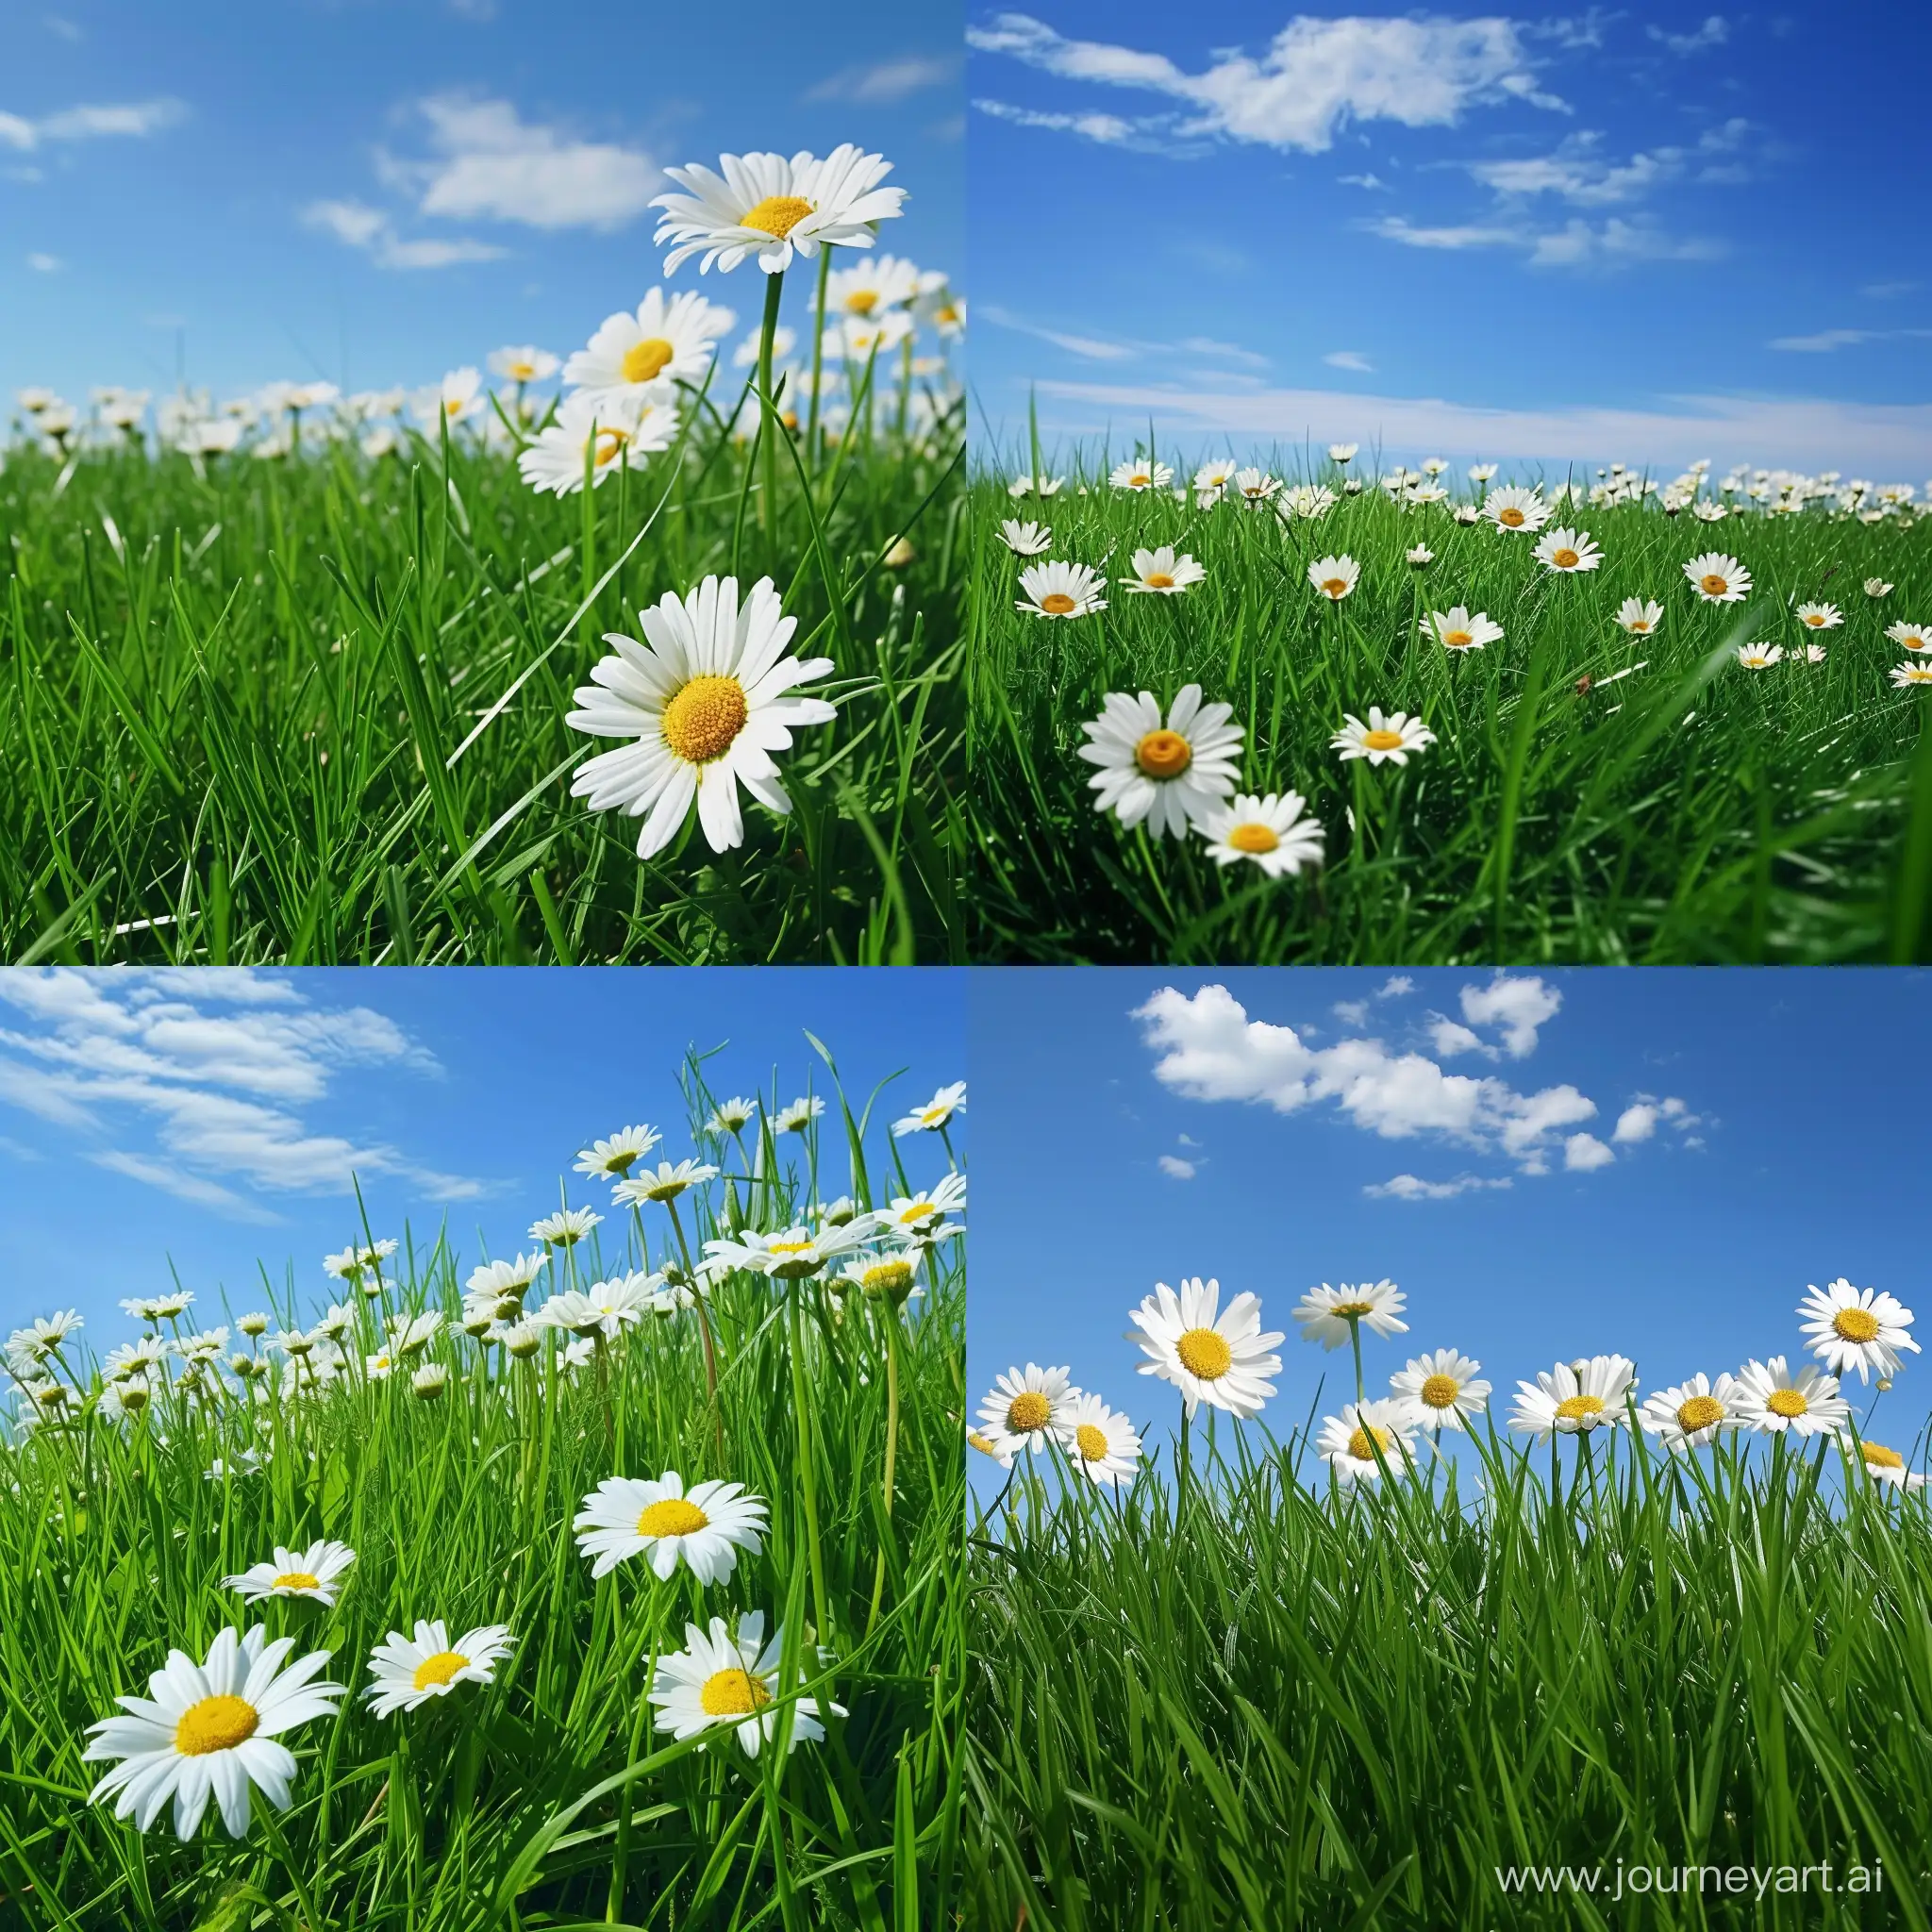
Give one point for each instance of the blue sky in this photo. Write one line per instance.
(215, 1117)
(1650, 233)
(1652, 1162)
(178, 181)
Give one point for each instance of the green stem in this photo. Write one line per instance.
(806, 1467)
(770, 428)
(878, 1581)
(818, 357)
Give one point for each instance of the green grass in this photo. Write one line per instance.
(1790, 821)
(1261, 1702)
(545, 1799)
(313, 710)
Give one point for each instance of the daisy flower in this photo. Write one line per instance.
(1913, 671)
(1774, 1401)
(1858, 1328)
(1161, 572)
(1024, 1409)
(1719, 579)
(1026, 540)
(1330, 1315)
(158, 1308)
(732, 1116)
(1814, 654)
(1269, 832)
(1888, 1466)
(885, 1278)
(616, 1157)
(492, 1283)
(1910, 637)
(316, 1573)
(664, 1182)
(1168, 772)
(795, 1118)
(1693, 1413)
(605, 1308)
(46, 1334)
(1334, 576)
(410, 1671)
(791, 1254)
(1211, 480)
(721, 1680)
(1513, 509)
(765, 207)
(566, 1227)
(1759, 657)
(660, 1521)
(934, 1113)
(454, 400)
(1441, 1389)
(1342, 452)
(1348, 1442)
(596, 436)
(1575, 1397)
(1568, 550)
(1223, 1360)
(1457, 630)
(1102, 1443)
(870, 287)
(1392, 738)
(1421, 555)
(1255, 486)
(1035, 485)
(634, 355)
(1140, 476)
(915, 1216)
(1639, 616)
(523, 364)
(705, 699)
(211, 1729)
(1818, 616)
(1060, 589)
(1877, 587)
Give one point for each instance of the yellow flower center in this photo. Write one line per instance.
(440, 1669)
(983, 1443)
(1713, 585)
(1157, 581)
(1564, 560)
(1879, 1457)
(887, 1277)
(1512, 516)
(611, 444)
(1336, 587)
(776, 215)
(733, 1693)
(1252, 838)
(1027, 1411)
(1699, 1413)
(1440, 1392)
(703, 720)
(621, 1162)
(862, 301)
(1366, 1439)
(1786, 1402)
(1353, 1312)
(1814, 618)
(216, 1724)
(1203, 1352)
(1092, 1443)
(297, 1579)
(646, 360)
(1855, 1324)
(1381, 741)
(1139, 481)
(1639, 623)
(673, 1516)
(1458, 639)
(789, 1248)
(1163, 753)
(1056, 603)
(1574, 1408)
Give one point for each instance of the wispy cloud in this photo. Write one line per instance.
(1715, 31)
(1176, 1169)
(45, 264)
(358, 226)
(1408, 1186)
(882, 82)
(128, 120)
(1581, 172)
(1349, 359)
(1827, 340)
(1109, 130)
(1578, 244)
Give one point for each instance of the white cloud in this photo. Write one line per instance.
(1394, 987)
(1094, 348)
(887, 81)
(1580, 172)
(133, 120)
(1408, 1186)
(1316, 78)
(359, 226)
(1584, 1151)
(1576, 244)
(1173, 1165)
(45, 264)
(215, 1070)
(1713, 33)
(1348, 358)
(1352, 1012)
(1371, 182)
(1518, 1006)
(1451, 1037)
(1827, 339)
(1109, 130)
(1637, 1121)
(1640, 1120)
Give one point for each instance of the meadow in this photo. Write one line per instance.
(1425, 1667)
(291, 678)
(1580, 792)
(743, 1712)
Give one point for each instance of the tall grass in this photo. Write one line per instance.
(312, 708)
(544, 1799)
(1248, 1700)
(1691, 811)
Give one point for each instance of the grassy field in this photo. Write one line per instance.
(1692, 811)
(544, 1798)
(1236, 1694)
(312, 708)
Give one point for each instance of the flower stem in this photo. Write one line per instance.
(770, 428)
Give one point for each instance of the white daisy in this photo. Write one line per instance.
(1818, 616)
(1167, 771)
(493, 1283)
(566, 1227)
(1774, 1401)
(1060, 589)
(411, 1671)
(31, 1344)
(790, 1254)
(1759, 657)
(1575, 1397)
(1421, 555)
(211, 1727)
(917, 1216)
(1639, 616)
(595, 438)
(456, 399)
(704, 700)
(1888, 1466)
(1457, 630)
(664, 1182)
(1026, 540)
(1513, 509)
(1223, 1360)
(732, 1116)
(1877, 587)
(1568, 550)
(872, 286)
(1025, 1408)
(1342, 452)
(1441, 1389)
(315, 1573)
(1102, 1443)
(1160, 573)
(1913, 671)
(891, 1276)
(1211, 480)
(1860, 1328)
(617, 1155)
(637, 355)
(523, 364)
(1392, 738)
(1334, 576)
(1348, 1442)
(721, 1680)
(799, 1115)
(766, 207)
(158, 1308)
(1910, 637)
(1719, 579)
(1269, 832)
(1256, 485)
(934, 1113)
(1693, 1413)
(605, 1308)
(1330, 1315)
(706, 1526)
(1139, 475)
